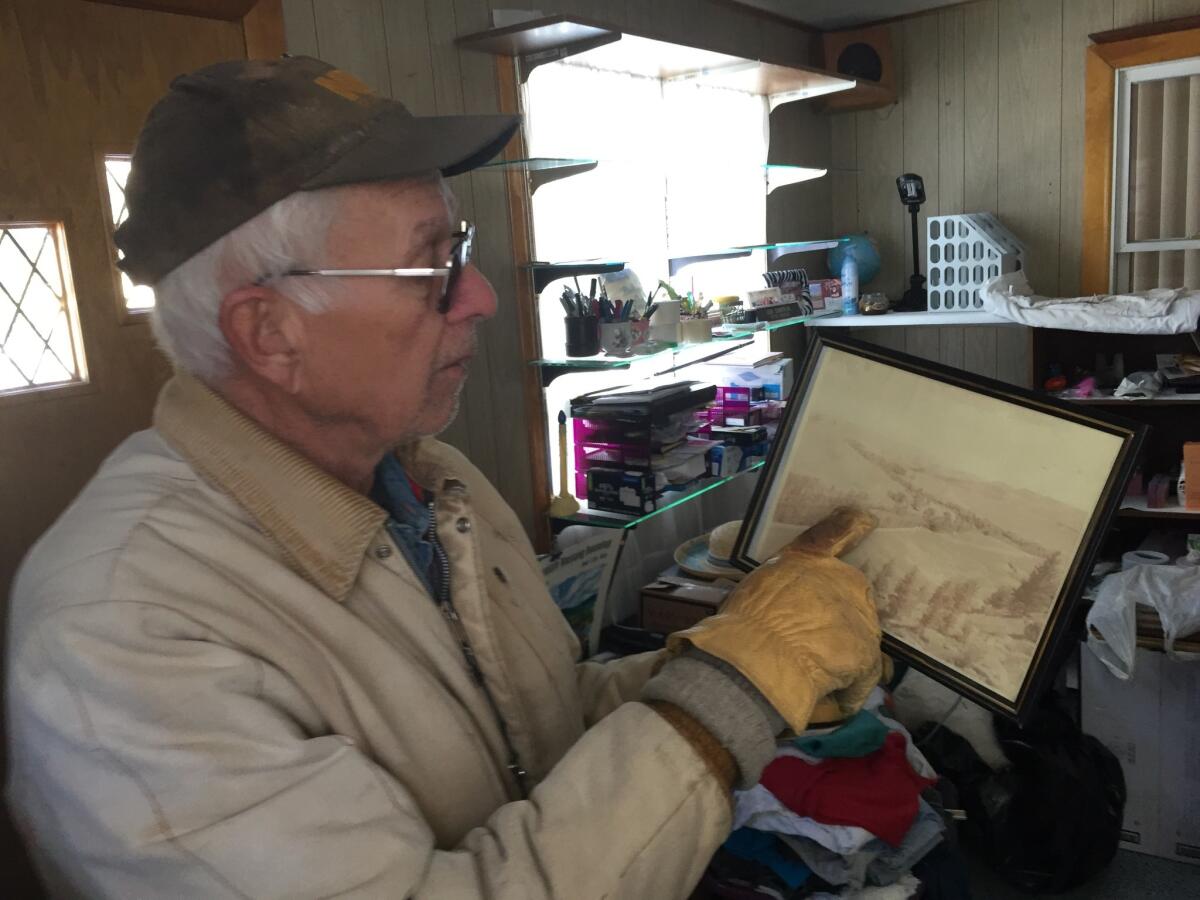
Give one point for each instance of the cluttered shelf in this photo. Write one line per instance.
(1167, 397)
(735, 334)
(603, 519)
(900, 319)
(1137, 507)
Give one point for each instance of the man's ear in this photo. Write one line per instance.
(265, 334)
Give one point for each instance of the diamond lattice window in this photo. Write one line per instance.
(39, 333)
(138, 297)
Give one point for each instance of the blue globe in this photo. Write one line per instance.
(866, 254)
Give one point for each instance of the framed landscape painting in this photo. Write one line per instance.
(991, 502)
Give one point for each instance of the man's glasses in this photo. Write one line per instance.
(460, 255)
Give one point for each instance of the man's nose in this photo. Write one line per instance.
(472, 298)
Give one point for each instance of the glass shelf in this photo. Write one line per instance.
(603, 361)
(541, 169)
(544, 272)
(677, 356)
(774, 252)
(601, 519)
(781, 176)
(749, 329)
(545, 169)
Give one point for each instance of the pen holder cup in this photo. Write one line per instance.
(616, 338)
(639, 329)
(664, 324)
(583, 338)
(696, 331)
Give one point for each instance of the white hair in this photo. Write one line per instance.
(291, 234)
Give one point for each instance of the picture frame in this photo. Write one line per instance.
(992, 502)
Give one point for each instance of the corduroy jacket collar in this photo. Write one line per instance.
(323, 526)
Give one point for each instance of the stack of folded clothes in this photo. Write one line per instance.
(853, 812)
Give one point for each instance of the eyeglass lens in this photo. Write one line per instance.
(458, 261)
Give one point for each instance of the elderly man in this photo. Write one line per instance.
(285, 644)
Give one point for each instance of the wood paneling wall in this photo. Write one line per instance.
(991, 115)
(76, 81)
(405, 48)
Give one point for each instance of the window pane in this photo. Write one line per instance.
(38, 343)
(1164, 159)
(1146, 270)
(138, 297)
(681, 172)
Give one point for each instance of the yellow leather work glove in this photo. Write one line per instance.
(802, 625)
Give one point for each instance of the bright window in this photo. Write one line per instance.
(681, 172)
(1156, 223)
(39, 330)
(138, 297)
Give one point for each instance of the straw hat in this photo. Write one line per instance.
(708, 555)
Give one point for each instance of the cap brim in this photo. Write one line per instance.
(402, 146)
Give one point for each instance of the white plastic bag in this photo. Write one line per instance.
(1172, 590)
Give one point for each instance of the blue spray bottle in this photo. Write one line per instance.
(849, 283)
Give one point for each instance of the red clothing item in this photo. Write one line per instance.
(878, 792)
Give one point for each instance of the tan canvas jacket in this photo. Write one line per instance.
(225, 681)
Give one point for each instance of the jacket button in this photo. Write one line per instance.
(463, 525)
(383, 551)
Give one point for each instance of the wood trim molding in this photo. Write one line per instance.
(1145, 30)
(227, 10)
(520, 215)
(1102, 62)
(263, 30)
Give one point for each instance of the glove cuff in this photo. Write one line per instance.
(767, 662)
(726, 705)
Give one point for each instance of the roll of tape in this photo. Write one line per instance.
(1144, 558)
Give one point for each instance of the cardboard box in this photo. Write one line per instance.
(673, 603)
(1152, 724)
(1191, 475)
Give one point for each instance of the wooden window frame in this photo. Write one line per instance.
(520, 212)
(1104, 58)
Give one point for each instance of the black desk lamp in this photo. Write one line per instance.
(912, 195)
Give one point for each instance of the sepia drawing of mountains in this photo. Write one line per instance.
(965, 570)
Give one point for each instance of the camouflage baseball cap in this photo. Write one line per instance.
(231, 139)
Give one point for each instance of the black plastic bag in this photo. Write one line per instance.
(1051, 821)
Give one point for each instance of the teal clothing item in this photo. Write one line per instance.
(860, 736)
(408, 521)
